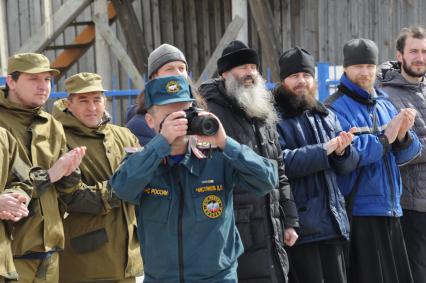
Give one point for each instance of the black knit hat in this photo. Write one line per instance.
(296, 60)
(360, 51)
(236, 54)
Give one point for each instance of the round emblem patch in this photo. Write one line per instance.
(172, 87)
(212, 206)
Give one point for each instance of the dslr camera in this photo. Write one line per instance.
(200, 125)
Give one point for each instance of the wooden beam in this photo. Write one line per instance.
(133, 33)
(121, 54)
(52, 28)
(66, 58)
(103, 67)
(262, 15)
(3, 39)
(239, 7)
(230, 34)
(86, 37)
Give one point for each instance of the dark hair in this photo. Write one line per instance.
(413, 31)
(15, 76)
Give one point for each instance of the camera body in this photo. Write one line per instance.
(200, 125)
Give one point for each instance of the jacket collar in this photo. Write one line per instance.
(358, 94)
(71, 123)
(22, 111)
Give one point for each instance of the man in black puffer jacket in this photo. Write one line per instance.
(241, 101)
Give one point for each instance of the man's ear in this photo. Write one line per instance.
(225, 75)
(10, 82)
(399, 56)
(149, 120)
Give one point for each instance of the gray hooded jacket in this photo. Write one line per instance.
(404, 94)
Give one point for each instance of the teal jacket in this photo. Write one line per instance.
(186, 220)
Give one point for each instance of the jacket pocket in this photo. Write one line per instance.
(155, 209)
(242, 219)
(90, 241)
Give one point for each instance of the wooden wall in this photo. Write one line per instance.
(196, 26)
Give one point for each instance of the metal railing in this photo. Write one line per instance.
(325, 85)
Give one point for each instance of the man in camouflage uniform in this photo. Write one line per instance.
(41, 143)
(100, 230)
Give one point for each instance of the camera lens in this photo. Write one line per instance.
(205, 126)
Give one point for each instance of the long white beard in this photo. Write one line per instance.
(255, 100)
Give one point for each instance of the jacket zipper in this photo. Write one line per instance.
(180, 230)
(386, 161)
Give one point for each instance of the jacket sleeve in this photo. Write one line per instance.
(304, 160)
(370, 148)
(349, 161)
(70, 183)
(14, 172)
(250, 170)
(287, 203)
(137, 170)
(407, 152)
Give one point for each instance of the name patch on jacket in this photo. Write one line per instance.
(212, 206)
(206, 189)
(156, 192)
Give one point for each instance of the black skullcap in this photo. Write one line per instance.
(360, 51)
(296, 60)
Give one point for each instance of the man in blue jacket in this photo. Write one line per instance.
(384, 141)
(315, 149)
(186, 218)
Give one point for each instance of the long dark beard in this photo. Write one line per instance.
(292, 104)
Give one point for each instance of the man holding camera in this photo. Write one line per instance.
(186, 219)
(240, 99)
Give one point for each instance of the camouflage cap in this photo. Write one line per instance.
(167, 90)
(84, 83)
(31, 63)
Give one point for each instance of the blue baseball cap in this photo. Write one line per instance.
(166, 90)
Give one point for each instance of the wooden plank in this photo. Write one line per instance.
(217, 20)
(147, 24)
(194, 42)
(4, 53)
(178, 24)
(295, 22)
(239, 7)
(13, 27)
(156, 32)
(230, 34)
(204, 31)
(120, 53)
(322, 31)
(189, 55)
(309, 40)
(103, 67)
(87, 61)
(61, 18)
(227, 13)
(133, 33)
(24, 20)
(166, 21)
(262, 15)
(286, 24)
(35, 15)
(276, 10)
